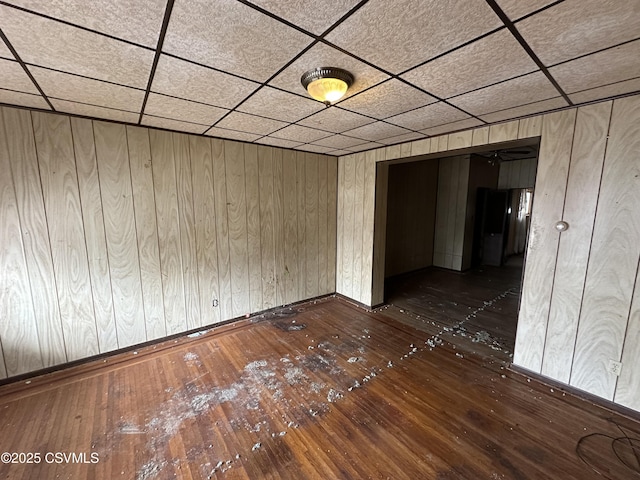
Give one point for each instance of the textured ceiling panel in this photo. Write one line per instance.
(232, 68)
(407, 137)
(399, 36)
(322, 55)
(85, 90)
(169, 124)
(185, 110)
(250, 123)
(606, 91)
(4, 51)
(578, 27)
(186, 80)
(23, 99)
(613, 65)
(453, 126)
(93, 111)
(315, 16)
(490, 60)
(300, 133)
(429, 116)
(13, 77)
(339, 141)
(519, 8)
(376, 131)
(230, 36)
(232, 134)
(73, 50)
(526, 89)
(523, 110)
(278, 142)
(144, 17)
(387, 99)
(272, 103)
(336, 120)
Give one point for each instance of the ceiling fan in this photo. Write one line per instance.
(498, 156)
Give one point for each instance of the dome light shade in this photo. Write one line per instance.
(327, 84)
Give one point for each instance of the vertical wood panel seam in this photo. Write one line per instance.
(84, 232)
(555, 263)
(180, 222)
(626, 330)
(155, 208)
(135, 229)
(195, 236)
(246, 221)
(215, 224)
(27, 268)
(46, 218)
(593, 229)
(104, 230)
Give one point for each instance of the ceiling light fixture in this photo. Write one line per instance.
(327, 84)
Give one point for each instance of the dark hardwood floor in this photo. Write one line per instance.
(481, 303)
(324, 390)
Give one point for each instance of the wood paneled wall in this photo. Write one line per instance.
(517, 174)
(411, 215)
(580, 306)
(114, 235)
(451, 212)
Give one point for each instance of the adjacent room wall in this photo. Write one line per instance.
(411, 216)
(451, 212)
(114, 235)
(580, 305)
(517, 174)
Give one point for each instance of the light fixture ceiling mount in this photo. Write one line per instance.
(327, 84)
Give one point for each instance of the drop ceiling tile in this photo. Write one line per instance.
(399, 36)
(387, 99)
(233, 37)
(85, 90)
(232, 134)
(271, 103)
(311, 15)
(184, 110)
(609, 66)
(364, 146)
(300, 134)
(429, 116)
(322, 55)
(577, 27)
(314, 148)
(336, 120)
(512, 93)
(5, 52)
(453, 126)
(11, 97)
(490, 60)
(193, 82)
(13, 77)
(95, 111)
(74, 50)
(339, 153)
(169, 124)
(407, 137)
(517, 8)
(339, 142)
(143, 18)
(278, 142)
(607, 91)
(376, 131)
(530, 109)
(250, 123)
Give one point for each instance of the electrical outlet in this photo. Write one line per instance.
(615, 367)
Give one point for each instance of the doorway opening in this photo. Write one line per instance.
(456, 236)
